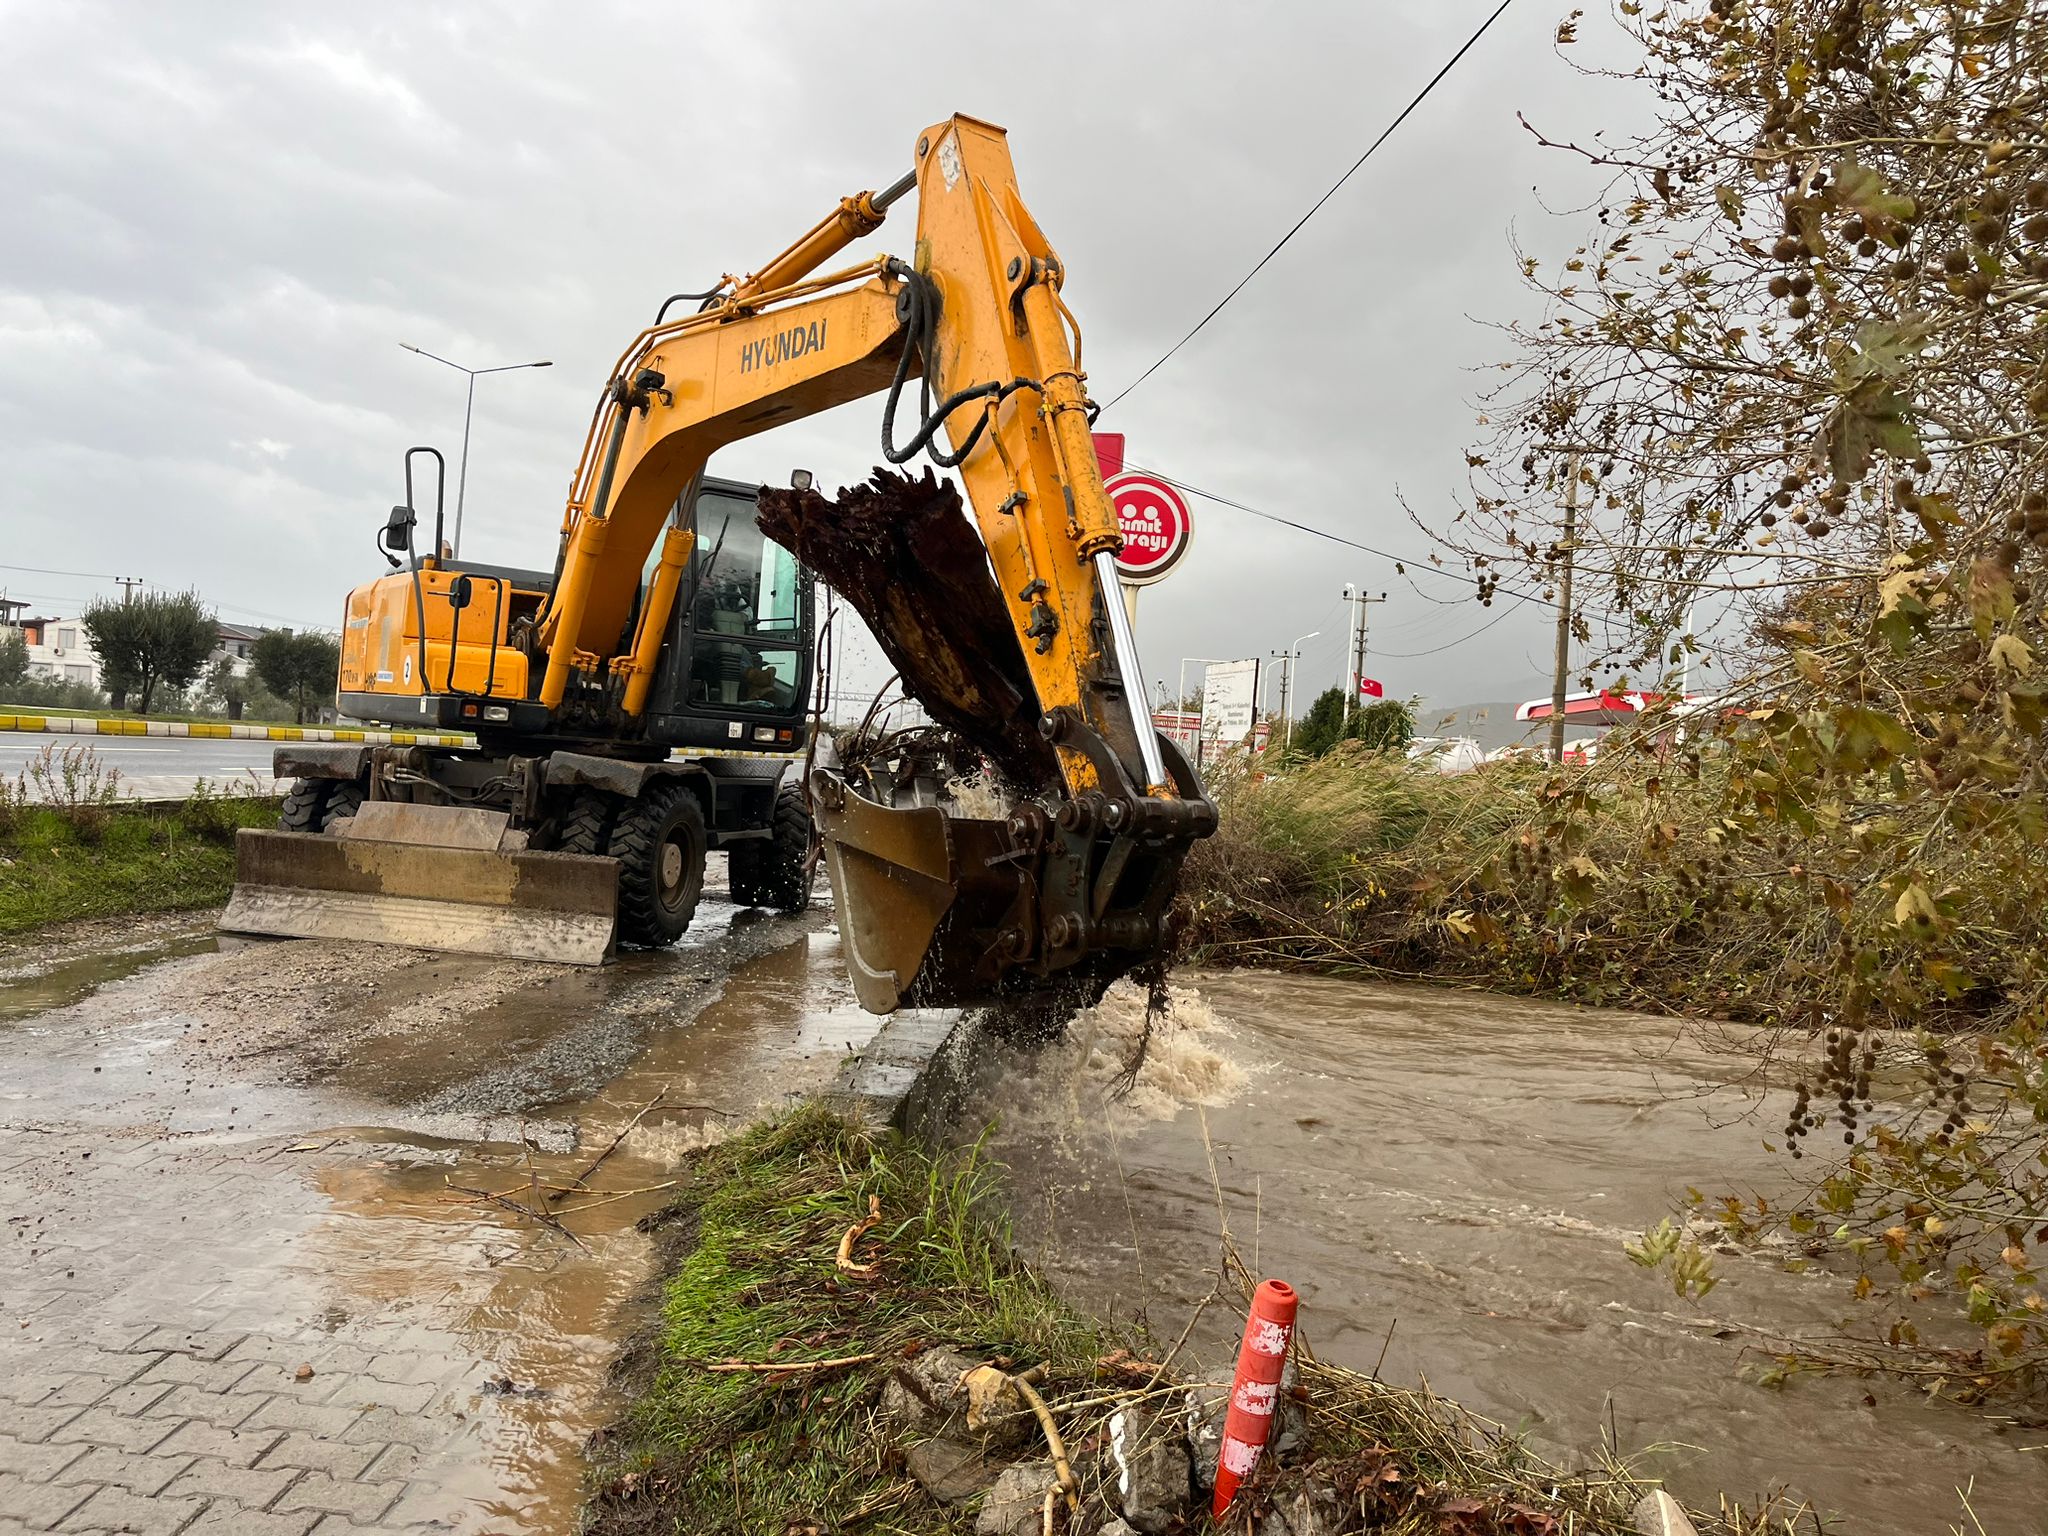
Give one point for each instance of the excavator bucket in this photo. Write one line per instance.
(429, 877)
(942, 909)
(898, 876)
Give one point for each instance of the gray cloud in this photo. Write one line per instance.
(224, 218)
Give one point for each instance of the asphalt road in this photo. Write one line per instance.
(151, 758)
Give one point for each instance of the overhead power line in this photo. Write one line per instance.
(1385, 134)
(1422, 561)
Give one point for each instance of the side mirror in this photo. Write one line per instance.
(397, 536)
(459, 593)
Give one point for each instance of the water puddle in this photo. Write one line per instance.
(426, 1165)
(36, 977)
(435, 1248)
(1447, 1178)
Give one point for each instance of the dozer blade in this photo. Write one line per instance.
(560, 907)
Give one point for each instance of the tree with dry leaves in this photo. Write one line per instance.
(1798, 380)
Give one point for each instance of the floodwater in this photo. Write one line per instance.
(348, 1146)
(1447, 1178)
(343, 1148)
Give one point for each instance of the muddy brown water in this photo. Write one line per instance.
(1460, 1171)
(1456, 1169)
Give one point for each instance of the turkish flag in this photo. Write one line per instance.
(1369, 688)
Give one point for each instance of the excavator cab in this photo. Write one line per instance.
(736, 662)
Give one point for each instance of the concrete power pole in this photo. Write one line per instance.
(1564, 614)
(127, 584)
(1357, 597)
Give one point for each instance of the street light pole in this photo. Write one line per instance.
(1288, 658)
(468, 408)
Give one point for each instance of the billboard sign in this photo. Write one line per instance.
(1230, 706)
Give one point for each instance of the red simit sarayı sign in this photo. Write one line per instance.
(1155, 525)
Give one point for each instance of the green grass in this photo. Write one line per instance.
(61, 866)
(709, 1452)
(749, 1263)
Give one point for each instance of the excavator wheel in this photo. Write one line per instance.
(659, 842)
(776, 872)
(588, 823)
(344, 799)
(303, 804)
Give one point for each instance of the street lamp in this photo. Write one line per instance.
(1288, 658)
(462, 475)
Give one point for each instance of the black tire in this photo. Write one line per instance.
(659, 842)
(588, 825)
(775, 871)
(303, 804)
(344, 798)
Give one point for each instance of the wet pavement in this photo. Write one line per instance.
(270, 1263)
(1448, 1178)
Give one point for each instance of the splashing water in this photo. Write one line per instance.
(1085, 1075)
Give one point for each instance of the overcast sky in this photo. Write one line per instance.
(223, 219)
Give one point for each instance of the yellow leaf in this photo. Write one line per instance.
(2010, 654)
(1914, 906)
(1809, 666)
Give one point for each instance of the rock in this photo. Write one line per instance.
(951, 1471)
(303, 1373)
(928, 1398)
(1015, 1506)
(924, 1393)
(1204, 1418)
(1659, 1514)
(1148, 1467)
(1116, 1528)
(1300, 1506)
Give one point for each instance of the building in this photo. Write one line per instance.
(59, 651)
(237, 643)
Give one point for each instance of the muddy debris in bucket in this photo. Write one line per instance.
(904, 554)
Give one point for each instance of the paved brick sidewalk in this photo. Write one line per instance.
(135, 1394)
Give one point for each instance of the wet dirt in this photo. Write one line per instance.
(338, 1152)
(1448, 1179)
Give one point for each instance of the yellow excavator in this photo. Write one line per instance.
(649, 698)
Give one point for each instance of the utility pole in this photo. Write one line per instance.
(127, 584)
(1564, 614)
(1288, 658)
(1357, 597)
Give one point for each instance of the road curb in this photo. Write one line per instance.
(69, 725)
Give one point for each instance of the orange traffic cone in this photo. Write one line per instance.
(1267, 1333)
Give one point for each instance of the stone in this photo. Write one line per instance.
(951, 1471)
(1659, 1514)
(1117, 1527)
(1301, 1506)
(1204, 1418)
(927, 1398)
(1148, 1468)
(924, 1394)
(1015, 1506)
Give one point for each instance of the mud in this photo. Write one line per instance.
(337, 1155)
(903, 553)
(1448, 1178)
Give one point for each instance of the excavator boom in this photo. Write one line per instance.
(936, 906)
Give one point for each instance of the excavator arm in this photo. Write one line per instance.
(936, 907)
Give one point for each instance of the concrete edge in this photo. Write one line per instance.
(95, 725)
(900, 1078)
